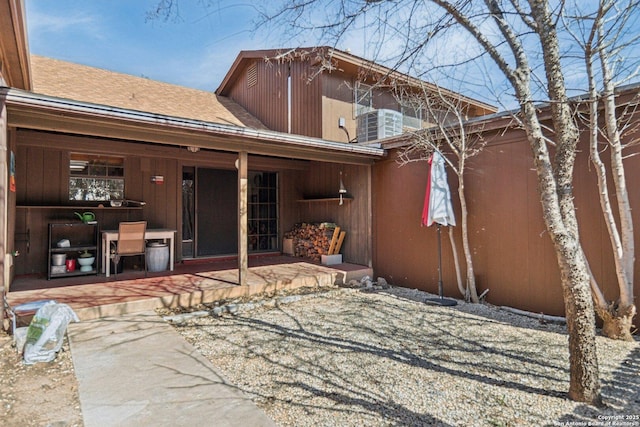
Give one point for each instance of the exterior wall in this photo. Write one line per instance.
(306, 100)
(513, 255)
(317, 101)
(5, 199)
(354, 216)
(267, 99)
(337, 101)
(42, 175)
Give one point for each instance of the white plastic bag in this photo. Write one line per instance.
(46, 332)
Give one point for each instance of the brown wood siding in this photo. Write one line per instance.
(42, 174)
(306, 100)
(290, 190)
(8, 142)
(317, 101)
(513, 255)
(338, 101)
(266, 100)
(323, 180)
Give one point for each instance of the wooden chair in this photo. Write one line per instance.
(131, 242)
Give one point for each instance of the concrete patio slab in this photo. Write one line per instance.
(186, 289)
(136, 370)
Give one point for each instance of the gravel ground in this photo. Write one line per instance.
(352, 358)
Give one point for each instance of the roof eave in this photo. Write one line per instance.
(345, 57)
(41, 112)
(15, 49)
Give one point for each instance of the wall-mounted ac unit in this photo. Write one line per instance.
(379, 124)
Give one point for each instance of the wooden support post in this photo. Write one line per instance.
(6, 258)
(243, 238)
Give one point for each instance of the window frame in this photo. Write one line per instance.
(103, 172)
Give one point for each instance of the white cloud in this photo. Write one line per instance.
(43, 23)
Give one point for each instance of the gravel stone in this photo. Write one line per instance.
(385, 358)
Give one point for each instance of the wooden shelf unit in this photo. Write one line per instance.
(82, 237)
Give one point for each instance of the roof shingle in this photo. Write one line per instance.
(63, 79)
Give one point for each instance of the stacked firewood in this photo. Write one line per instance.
(311, 240)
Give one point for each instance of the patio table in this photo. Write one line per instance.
(163, 234)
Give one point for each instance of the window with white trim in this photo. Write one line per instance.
(95, 177)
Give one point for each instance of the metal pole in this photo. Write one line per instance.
(440, 299)
(439, 263)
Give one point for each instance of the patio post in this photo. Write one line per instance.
(6, 258)
(243, 253)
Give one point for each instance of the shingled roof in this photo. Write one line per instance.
(63, 79)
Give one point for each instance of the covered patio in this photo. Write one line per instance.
(189, 285)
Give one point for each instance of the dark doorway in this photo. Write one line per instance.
(217, 212)
(188, 211)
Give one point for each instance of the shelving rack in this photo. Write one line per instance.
(82, 237)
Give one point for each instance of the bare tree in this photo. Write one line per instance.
(520, 38)
(602, 40)
(450, 134)
(524, 40)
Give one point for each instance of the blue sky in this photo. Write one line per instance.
(194, 51)
(199, 48)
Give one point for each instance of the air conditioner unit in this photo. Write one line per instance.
(379, 124)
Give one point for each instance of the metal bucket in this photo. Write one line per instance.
(58, 259)
(157, 257)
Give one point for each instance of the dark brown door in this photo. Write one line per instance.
(216, 212)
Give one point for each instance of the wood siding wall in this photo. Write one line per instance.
(354, 216)
(7, 197)
(306, 101)
(317, 101)
(267, 99)
(43, 176)
(42, 183)
(513, 254)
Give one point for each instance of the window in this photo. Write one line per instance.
(263, 211)
(363, 101)
(95, 177)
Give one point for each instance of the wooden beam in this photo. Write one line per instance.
(5, 256)
(243, 238)
(109, 127)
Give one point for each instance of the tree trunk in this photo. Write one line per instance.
(584, 385)
(617, 321)
(617, 316)
(471, 279)
(575, 278)
(456, 263)
(556, 189)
